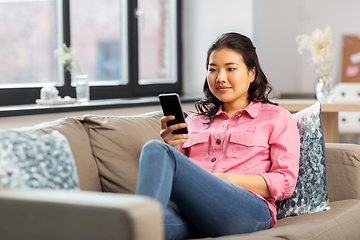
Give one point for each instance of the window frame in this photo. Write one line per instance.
(28, 95)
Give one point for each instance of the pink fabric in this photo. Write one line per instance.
(261, 139)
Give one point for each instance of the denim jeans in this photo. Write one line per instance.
(196, 203)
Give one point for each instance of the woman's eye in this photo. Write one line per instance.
(231, 69)
(211, 69)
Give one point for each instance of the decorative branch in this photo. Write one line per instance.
(68, 57)
(319, 45)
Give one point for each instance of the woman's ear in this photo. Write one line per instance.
(252, 74)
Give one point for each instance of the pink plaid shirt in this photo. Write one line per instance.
(261, 139)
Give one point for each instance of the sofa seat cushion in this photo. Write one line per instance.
(340, 222)
(116, 143)
(247, 237)
(79, 143)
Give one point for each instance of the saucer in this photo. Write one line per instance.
(58, 101)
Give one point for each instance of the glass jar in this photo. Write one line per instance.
(82, 89)
(324, 90)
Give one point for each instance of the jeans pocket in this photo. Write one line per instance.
(262, 225)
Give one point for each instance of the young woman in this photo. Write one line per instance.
(241, 154)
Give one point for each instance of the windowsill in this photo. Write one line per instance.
(30, 109)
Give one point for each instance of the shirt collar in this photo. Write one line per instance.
(252, 109)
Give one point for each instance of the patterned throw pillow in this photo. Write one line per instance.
(310, 194)
(36, 161)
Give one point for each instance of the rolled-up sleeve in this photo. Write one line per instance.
(284, 144)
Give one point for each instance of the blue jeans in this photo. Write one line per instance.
(196, 203)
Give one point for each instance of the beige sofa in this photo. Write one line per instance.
(106, 151)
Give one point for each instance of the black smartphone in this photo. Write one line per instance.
(171, 105)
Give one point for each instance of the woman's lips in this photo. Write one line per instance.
(223, 88)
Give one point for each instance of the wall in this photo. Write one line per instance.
(278, 22)
(203, 22)
(273, 26)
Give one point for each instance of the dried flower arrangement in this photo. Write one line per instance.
(319, 46)
(68, 57)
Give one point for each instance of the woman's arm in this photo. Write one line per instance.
(253, 183)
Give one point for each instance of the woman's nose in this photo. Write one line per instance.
(221, 76)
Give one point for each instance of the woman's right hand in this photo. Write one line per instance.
(166, 132)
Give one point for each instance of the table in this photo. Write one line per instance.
(329, 113)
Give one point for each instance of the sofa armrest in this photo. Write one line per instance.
(80, 215)
(343, 171)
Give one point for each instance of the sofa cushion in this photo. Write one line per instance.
(79, 142)
(36, 161)
(310, 193)
(341, 222)
(342, 171)
(117, 143)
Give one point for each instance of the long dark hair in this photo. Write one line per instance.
(259, 89)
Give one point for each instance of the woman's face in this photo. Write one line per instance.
(229, 79)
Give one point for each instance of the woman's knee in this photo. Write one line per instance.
(154, 154)
(153, 145)
(152, 151)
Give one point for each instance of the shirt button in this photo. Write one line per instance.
(218, 141)
(213, 159)
(236, 116)
(241, 112)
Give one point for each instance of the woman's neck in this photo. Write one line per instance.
(230, 109)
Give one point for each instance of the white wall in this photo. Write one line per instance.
(273, 26)
(203, 22)
(343, 16)
(278, 22)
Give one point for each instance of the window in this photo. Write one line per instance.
(27, 40)
(157, 58)
(99, 34)
(128, 48)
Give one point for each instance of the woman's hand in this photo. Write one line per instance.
(166, 132)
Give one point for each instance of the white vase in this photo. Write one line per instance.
(324, 90)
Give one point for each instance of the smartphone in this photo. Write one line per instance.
(171, 105)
